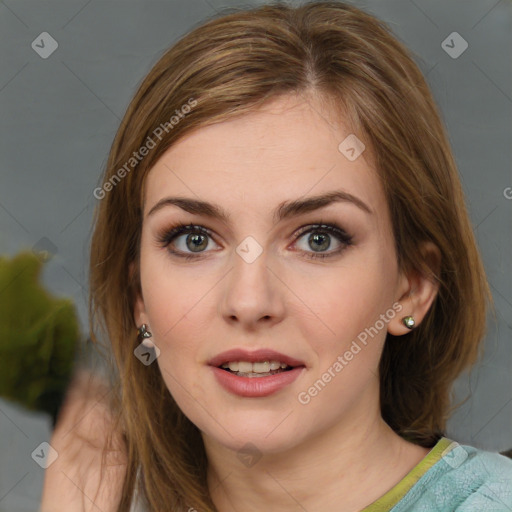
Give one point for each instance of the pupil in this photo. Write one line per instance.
(324, 238)
(197, 245)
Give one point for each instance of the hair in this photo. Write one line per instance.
(232, 65)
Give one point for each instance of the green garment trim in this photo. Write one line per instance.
(394, 495)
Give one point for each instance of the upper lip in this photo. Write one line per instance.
(253, 356)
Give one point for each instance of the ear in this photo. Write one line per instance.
(139, 309)
(416, 291)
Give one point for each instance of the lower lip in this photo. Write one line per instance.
(255, 386)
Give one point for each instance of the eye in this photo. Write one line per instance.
(319, 240)
(196, 240)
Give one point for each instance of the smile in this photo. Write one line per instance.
(255, 373)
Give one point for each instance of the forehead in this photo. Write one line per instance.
(288, 149)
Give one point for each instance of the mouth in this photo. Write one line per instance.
(255, 374)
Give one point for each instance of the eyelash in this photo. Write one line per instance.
(167, 236)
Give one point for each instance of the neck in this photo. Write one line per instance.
(343, 469)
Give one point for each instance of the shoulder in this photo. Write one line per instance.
(487, 476)
(484, 466)
(470, 477)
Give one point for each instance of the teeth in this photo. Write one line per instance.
(260, 367)
(244, 367)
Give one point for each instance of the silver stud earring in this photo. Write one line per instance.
(145, 335)
(409, 322)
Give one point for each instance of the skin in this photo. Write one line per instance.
(308, 309)
(75, 481)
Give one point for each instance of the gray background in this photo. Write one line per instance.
(59, 116)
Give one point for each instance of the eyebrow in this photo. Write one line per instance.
(284, 210)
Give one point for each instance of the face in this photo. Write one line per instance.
(314, 288)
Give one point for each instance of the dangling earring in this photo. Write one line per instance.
(409, 322)
(145, 335)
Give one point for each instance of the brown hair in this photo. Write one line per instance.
(230, 66)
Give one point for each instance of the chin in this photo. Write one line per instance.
(261, 435)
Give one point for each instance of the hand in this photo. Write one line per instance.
(74, 482)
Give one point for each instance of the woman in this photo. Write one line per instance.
(285, 269)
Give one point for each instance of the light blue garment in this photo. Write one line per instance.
(452, 478)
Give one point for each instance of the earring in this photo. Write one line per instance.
(145, 335)
(409, 322)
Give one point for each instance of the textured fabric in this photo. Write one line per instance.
(450, 478)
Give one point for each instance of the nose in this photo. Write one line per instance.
(252, 294)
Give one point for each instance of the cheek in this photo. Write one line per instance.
(172, 293)
(174, 313)
(340, 304)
